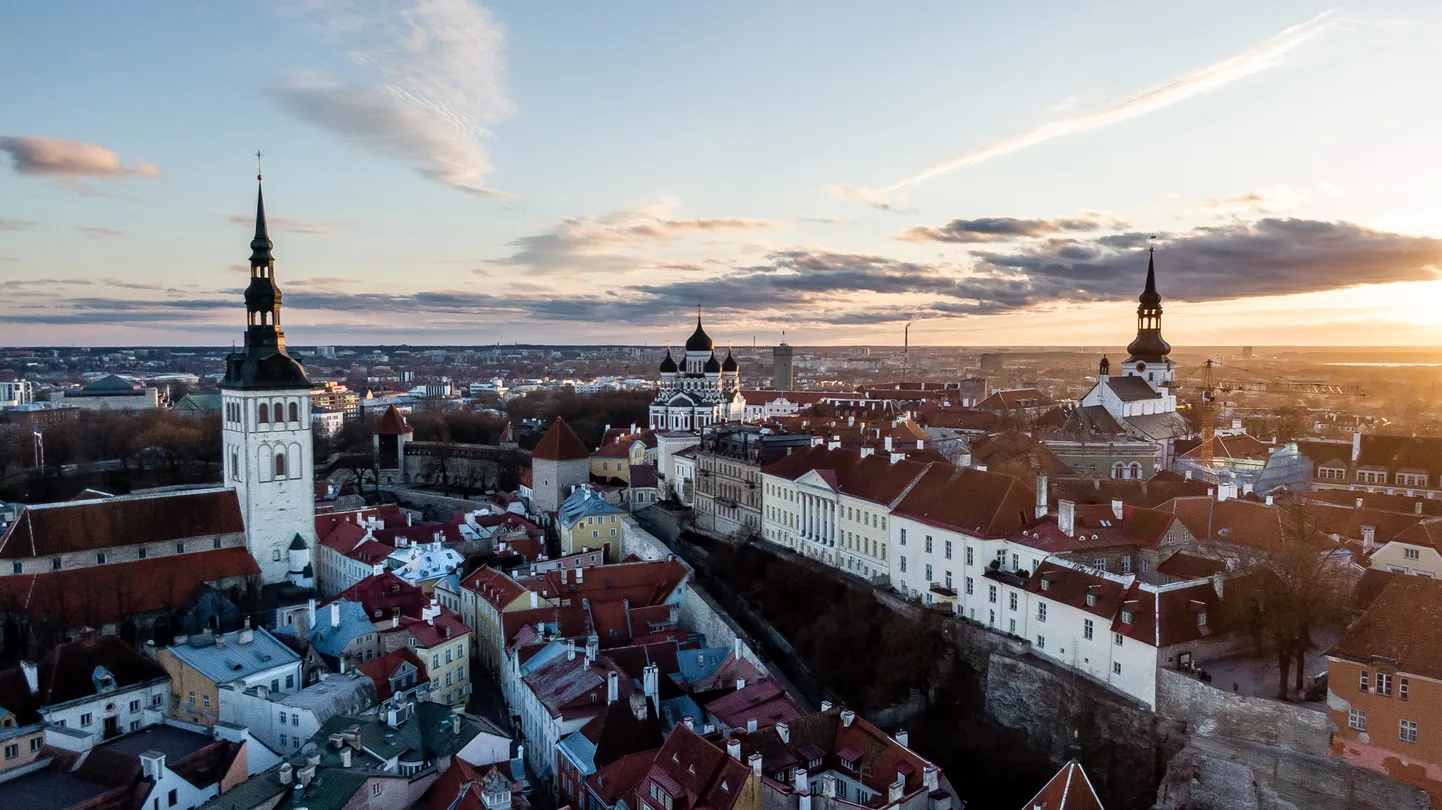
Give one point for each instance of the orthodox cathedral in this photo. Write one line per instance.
(700, 390)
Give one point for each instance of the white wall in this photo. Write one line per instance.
(275, 509)
(148, 696)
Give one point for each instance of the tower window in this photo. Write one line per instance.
(264, 413)
(280, 465)
(294, 412)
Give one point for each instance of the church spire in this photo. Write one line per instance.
(260, 246)
(1150, 296)
(1149, 347)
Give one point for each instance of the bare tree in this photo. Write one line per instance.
(1294, 585)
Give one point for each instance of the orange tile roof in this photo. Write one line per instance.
(68, 527)
(1070, 789)
(982, 504)
(393, 423)
(560, 444)
(497, 589)
(1404, 624)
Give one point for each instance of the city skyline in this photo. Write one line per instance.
(447, 173)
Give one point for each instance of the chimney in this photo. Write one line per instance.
(755, 762)
(1217, 583)
(847, 716)
(580, 574)
(32, 676)
(737, 646)
(887, 444)
(929, 778)
(1356, 446)
(750, 724)
(803, 800)
(1224, 491)
(1066, 517)
(828, 786)
(306, 774)
(310, 612)
(733, 748)
(1041, 495)
(784, 732)
(1269, 500)
(570, 650)
(689, 722)
(592, 648)
(1358, 504)
(220, 641)
(246, 635)
(867, 451)
(345, 757)
(535, 601)
(895, 457)
(799, 775)
(613, 684)
(286, 771)
(1118, 508)
(152, 765)
(825, 705)
(896, 790)
(740, 684)
(902, 737)
(1416, 509)
(335, 614)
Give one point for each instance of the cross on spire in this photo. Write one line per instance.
(257, 164)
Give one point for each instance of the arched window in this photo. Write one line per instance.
(1136, 470)
(1118, 470)
(280, 465)
(264, 413)
(294, 412)
(277, 411)
(234, 464)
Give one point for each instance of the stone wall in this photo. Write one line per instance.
(636, 540)
(1207, 711)
(434, 505)
(1216, 773)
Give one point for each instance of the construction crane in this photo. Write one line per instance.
(1209, 388)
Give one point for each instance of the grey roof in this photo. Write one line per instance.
(1131, 389)
(331, 639)
(580, 750)
(1169, 425)
(49, 789)
(427, 731)
(333, 696)
(234, 661)
(175, 743)
(331, 790)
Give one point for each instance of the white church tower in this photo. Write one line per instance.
(267, 434)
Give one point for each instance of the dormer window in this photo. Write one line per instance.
(1091, 599)
(660, 796)
(1202, 617)
(1126, 615)
(1045, 584)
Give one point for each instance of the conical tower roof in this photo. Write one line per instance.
(560, 444)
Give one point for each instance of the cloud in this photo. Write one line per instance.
(100, 233)
(320, 227)
(31, 154)
(434, 79)
(1252, 202)
(1260, 57)
(815, 286)
(15, 224)
(996, 229)
(604, 243)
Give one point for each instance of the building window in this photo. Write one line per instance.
(903, 565)
(1087, 629)
(205, 701)
(1041, 642)
(264, 411)
(970, 586)
(100, 558)
(284, 741)
(1384, 684)
(1117, 639)
(1356, 720)
(1091, 599)
(1412, 553)
(1362, 681)
(180, 548)
(290, 682)
(903, 537)
(1116, 667)
(1402, 689)
(36, 743)
(174, 796)
(192, 698)
(1011, 599)
(12, 750)
(376, 789)
(294, 412)
(948, 549)
(18, 567)
(134, 706)
(991, 594)
(280, 465)
(928, 544)
(1407, 731)
(55, 564)
(1100, 563)
(1041, 611)
(140, 553)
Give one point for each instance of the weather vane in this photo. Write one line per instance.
(257, 164)
(1152, 248)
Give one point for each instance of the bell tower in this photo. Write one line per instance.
(1147, 355)
(266, 430)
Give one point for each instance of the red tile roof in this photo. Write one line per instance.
(1403, 624)
(982, 504)
(1189, 566)
(106, 593)
(497, 589)
(696, 773)
(1013, 399)
(620, 779)
(763, 701)
(560, 444)
(393, 423)
(1425, 533)
(1235, 446)
(382, 594)
(380, 670)
(445, 627)
(68, 527)
(873, 478)
(643, 583)
(882, 757)
(1070, 789)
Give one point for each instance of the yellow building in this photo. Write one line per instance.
(22, 729)
(443, 643)
(586, 520)
(485, 595)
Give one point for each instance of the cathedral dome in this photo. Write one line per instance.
(713, 366)
(699, 340)
(668, 365)
(730, 365)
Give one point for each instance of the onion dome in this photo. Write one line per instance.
(713, 366)
(668, 365)
(1149, 346)
(699, 340)
(730, 366)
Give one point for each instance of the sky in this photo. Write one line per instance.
(447, 172)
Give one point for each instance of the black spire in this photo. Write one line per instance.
(260, 246)
(264, 363)
(1149, 346)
